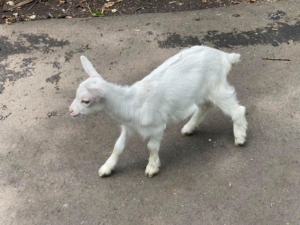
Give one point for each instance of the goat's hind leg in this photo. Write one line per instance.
(228, 103)
(111, 162)
(240, 126)
(196, 119)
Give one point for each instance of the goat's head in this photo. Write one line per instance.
(90, 95)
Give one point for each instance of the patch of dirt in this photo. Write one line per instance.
(24, 10)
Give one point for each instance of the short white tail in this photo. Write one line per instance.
(233, 58)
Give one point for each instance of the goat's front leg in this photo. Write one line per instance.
(111, 162)
(154, 162)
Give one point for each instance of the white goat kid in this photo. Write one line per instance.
(187, 83)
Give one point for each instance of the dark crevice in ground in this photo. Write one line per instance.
(259, 36)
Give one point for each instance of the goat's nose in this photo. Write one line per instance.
(70, 110)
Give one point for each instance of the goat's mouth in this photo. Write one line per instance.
(75, 115)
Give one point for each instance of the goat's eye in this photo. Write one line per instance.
(86, 102)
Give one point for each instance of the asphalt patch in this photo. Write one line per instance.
(69, 55)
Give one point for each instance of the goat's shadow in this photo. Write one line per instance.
(211, 141)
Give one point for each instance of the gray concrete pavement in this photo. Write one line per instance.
(49, 162)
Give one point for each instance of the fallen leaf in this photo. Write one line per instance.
(98, 14)
(32, 17)
(106, 5)
(10, 20)
(10, 3)
(109, 4)
(137, 30)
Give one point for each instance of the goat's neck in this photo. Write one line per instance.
(119, 102)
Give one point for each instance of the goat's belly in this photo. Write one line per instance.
(182, 114)
(146, 131)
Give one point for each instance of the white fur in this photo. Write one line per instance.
(188, 83)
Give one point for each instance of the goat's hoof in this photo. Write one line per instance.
(104, 171)
(151, 170)
(104, 175)
(186, 132)
(240, 141)
(150, 174)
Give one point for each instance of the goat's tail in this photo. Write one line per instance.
(233, 58)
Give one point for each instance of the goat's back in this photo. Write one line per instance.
(173, 90)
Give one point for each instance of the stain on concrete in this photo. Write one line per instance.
(69, 55)
(3, 117)
(4, 113)
(260, 36)
(1, 88)
(56, 65)
(27, 43)
(26, 66)
(54, 79)
(277, 15)
(51, 114)
(24, 44)
(176, 40)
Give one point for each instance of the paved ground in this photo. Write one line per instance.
(49, 162)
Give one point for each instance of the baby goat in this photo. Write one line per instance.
(188, 83)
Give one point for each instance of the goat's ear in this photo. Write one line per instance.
(88, 67)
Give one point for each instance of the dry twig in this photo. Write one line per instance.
(275, 59)
(36, 2)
